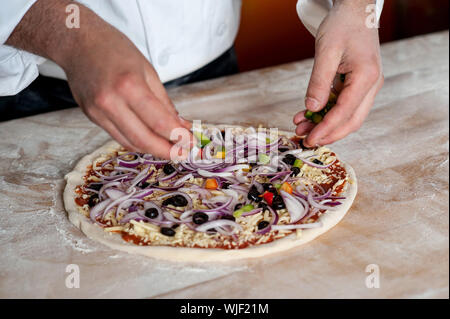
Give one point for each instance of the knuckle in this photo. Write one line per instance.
(159, 125)
(373, 73)
(103, 99)
(125, 83)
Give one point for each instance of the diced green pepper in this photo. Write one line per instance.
(277, 186)
(298, 163)
(309, 114)
(238, 213)
(244, 209)
(317, 118)
(264, 159)
(202, 138)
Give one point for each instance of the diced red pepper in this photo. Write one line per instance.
(268, 197)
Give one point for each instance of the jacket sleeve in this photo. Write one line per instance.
(312, 12)
(17, 68)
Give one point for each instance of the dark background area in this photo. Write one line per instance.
(271, 32)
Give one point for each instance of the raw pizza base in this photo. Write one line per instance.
(184, 254)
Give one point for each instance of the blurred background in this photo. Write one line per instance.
(271, 32)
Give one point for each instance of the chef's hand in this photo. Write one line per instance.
(110, 79)
(345, 45)
(119, 90)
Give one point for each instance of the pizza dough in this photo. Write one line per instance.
(183, 254)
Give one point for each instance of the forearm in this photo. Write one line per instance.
(43, 31)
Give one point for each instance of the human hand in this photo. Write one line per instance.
(119, 90)
(344, 45)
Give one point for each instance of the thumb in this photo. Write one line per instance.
(322, 76)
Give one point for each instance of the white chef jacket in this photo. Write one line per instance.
(176, 36)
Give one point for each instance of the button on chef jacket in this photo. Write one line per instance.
(176, 36)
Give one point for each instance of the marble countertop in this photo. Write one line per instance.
(399, 220)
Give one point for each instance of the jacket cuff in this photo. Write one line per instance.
(11, 14)
(313, 12)
(17, 70)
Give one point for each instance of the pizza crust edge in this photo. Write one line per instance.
(185, 254)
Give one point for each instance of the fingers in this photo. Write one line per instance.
(299, 117)
(326, 63)
(159, 118)
(357, 119)
(112, 130)
(130, 126)
(304, 128)
(356, 87)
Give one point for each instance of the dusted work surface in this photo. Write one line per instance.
(398, 222)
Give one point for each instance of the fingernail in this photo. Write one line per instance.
(312, 104)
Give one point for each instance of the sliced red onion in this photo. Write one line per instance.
(154, 162)
(258, 186)
(216, 200)
(202, 193)
(146, 192)
(297, 226)
(106, 186)
(126, 204)
(315, 204)
(129, 164)
(132, 216)
(139, 216)
(171, 218)
(118, 201)
(98, 209)
(218, 223)
(187, 215)
(116, 178)
(204, 173)
(280, 174)
(252, 212)
(139, 178)
(233, 168)
(224, 206)
(317, 165)
(232, 193)
(114, 193)
(300, 195)
(167, 177)
(311, 213)
(239, 188)
(324, 196)
(183, 179)
(295, 208)
(293, 152)
(240, 177)
(125, 169)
